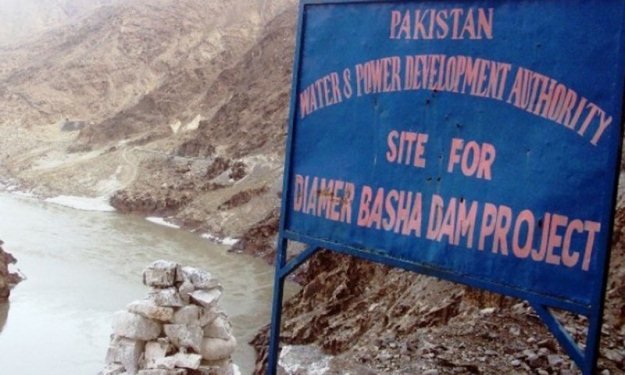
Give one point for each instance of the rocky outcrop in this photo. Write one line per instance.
(161, 202)
(7, 279)
(259, 239)
(396, 322)
(178, 329)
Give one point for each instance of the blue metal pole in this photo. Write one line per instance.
(592, 342)
(278, 282)
(276, 314)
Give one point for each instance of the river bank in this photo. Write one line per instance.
(99, 204)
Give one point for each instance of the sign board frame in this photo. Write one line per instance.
(585, 357)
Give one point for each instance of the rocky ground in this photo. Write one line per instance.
(373, 319)
(189, 124)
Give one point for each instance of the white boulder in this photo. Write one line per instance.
(148, 309)
(113, 369)
(185, 336)
(220, 328)
(162, 371)
(125, 352)
(194, 314)
(180, 360)
(208, 315)
(160, 274)
(155, 350)
(216, 349)
(223, 369)
(189, 314)
(168, 297)
(206, 298)
(185, 289)
(134, 326)
(199, 278)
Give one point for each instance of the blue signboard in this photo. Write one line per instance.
(476, 141)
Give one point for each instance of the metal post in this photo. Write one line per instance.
(276, 313)
(593, 340)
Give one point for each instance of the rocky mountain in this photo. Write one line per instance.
(178, 108)
(165, 98)
(107, 62)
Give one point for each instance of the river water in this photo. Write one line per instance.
(82, 266)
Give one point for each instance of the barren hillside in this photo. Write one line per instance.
(107, 62)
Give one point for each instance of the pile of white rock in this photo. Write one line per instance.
(177, 330)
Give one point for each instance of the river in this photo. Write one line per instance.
(82, 266)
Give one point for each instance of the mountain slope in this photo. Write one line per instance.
(108, 61)
(240, 121)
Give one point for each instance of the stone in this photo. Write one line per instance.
(219, 328)
(189, 314)
(125, 352)
(430, 372)
(216, 349)
(549, 344)
(487, 311)
(227, 369)
(204, 370)
(134, 326)
(515, 363)
(185, 289)
(182, 360)
(113, 369)
(168, 297)
(179, 274)
(615, 355)
(554, 360)
(194, 314)
(208, 315)
(542, 372)
(148, 309)
(528, 353)
(160, 274)
(218, 363)
(533, 361)
(185, 336)
(515, 331)
(111, 352)
(199, 278)
(206, 298)
(155, 350)
(160, 371)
